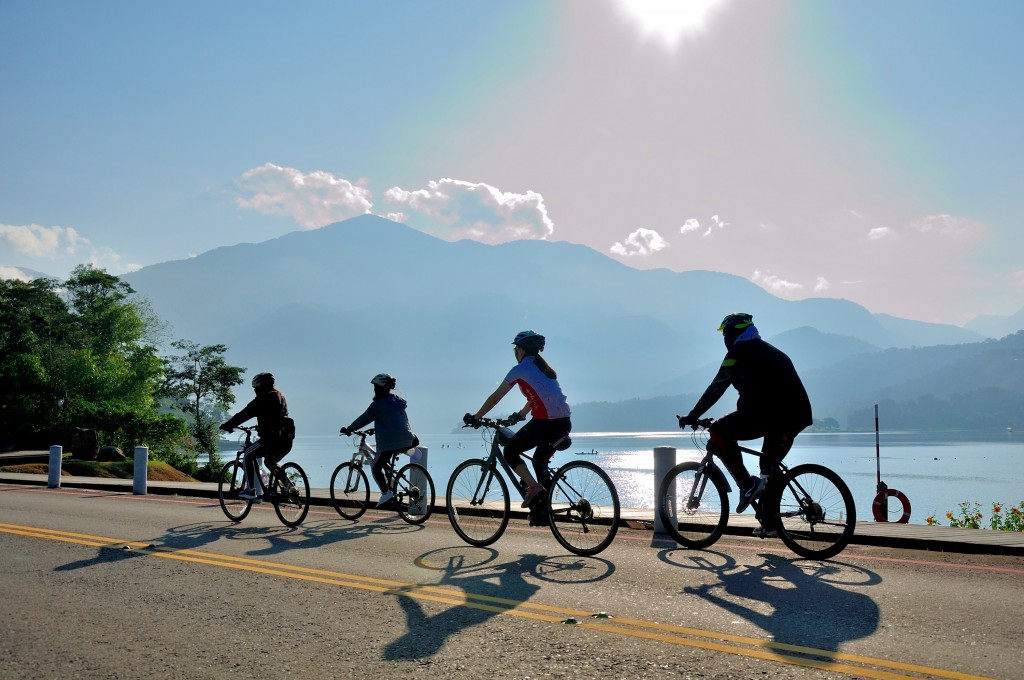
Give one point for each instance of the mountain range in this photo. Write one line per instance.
(327, 309)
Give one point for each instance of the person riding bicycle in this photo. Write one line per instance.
(270, 409)
(387, 412)
(547, 404)
(772, 404)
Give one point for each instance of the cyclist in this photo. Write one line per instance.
(391, 425)
(772, 404)
(270, 409)
(550, 425)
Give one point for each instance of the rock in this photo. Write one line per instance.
(109, 454)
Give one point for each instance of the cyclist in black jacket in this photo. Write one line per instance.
(772, 404)
(269, 408)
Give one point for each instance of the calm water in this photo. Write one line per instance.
(936, 472)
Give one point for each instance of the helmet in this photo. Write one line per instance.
(262, 382)
(529, 341)
(736, 325)
(384, 380)
(737, 321)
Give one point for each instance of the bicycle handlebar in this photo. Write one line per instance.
(700, 422)
(358, 433)
(495, 423)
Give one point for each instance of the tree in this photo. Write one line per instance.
(201, 379)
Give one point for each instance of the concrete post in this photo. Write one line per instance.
(141, 469)
(419, 456)
(664, 460)
(53, 469)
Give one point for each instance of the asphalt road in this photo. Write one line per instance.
(110, 585)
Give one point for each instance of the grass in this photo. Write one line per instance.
(156, 471)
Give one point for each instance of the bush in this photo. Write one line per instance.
(970, 517)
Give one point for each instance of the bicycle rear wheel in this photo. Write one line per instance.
(478, 503)
(583, 508)
(350, 490)
(694, 504)
(291, 494)
(230, 484)
(816, 515)
(414, 493)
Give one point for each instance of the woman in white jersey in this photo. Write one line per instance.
(544, 401)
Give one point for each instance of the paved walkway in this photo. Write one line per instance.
(886, 534)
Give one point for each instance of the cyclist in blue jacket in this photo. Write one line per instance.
(772, 404)
(387, 412)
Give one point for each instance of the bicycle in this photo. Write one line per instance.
(582, 504)
(412, 485)
(287, 487)
(809, 506)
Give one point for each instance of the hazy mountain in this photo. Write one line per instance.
(327, 309)
(995, 326)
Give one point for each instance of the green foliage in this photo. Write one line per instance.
(970, 517)
(199, 382)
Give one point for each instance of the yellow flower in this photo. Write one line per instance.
(949, 515)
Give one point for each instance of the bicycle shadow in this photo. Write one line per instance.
(794, 600)
(489, 589)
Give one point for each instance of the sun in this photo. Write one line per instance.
(670, 20)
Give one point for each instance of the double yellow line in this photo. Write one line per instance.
(797, 655)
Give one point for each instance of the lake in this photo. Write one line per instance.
(936, 471)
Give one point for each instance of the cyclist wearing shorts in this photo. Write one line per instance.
(772, 404)
(544, 401)
(269, 408)
(391, 429)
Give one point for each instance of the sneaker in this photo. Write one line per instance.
(532, 494)
(384, 498)
(752, 491)
(247, 494)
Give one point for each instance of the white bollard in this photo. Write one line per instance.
(664, 460)
(53, 469)
(419, 456)
(141, 469)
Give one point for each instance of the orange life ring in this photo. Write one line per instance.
(880, 515)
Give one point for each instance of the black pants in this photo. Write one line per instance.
(728, 431)
(539, 434)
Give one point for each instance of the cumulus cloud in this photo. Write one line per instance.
(693, 225)
(457, 209)
(821, 285)
(13, 274)
(641, 242)
(775, 284)
(38, 241)
(313, 199)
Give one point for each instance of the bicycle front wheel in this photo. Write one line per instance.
(230, 484)
(583, 508)
(693, 504)
(478, 503)
(350, 490)
(816, 515)
(414, 493)
(291, 494)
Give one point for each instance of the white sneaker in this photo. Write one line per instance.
(385, 497)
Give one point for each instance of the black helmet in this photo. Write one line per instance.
(263, 382)
(528, 341)
(735, 325)
(384, 380)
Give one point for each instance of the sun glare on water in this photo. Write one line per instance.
(670, 20)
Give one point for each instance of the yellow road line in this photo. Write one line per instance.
(767, 650)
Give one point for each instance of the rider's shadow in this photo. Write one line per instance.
(795, 606)
(427, 633)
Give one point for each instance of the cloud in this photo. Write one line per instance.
(821, 285)
(949, 226)
(777, 285)
(313, 199)
(13, 274)
(641, 242)
(38, 241)
(692, 225)
(455, 209)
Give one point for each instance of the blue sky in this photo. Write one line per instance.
(865, 150)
